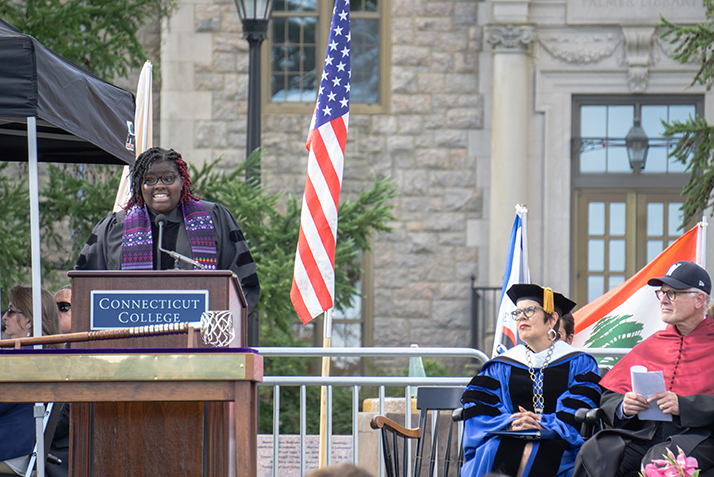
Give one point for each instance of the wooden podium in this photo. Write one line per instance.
(172, 433)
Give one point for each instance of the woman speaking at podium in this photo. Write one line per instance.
(204, 232)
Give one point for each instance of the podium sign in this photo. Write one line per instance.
(111, 309)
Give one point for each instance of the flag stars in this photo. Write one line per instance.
(341, 66)
(333, 45)
(328, 60)
(331, 96)
(324, 75)
(344, 102)
(345, 52)
(343, 15)
(327, 111)
(338, 31)
(336, 81)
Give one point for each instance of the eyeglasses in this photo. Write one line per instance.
(64, 306)
(10, 311)
(527, 312)
(671, 294)
(168, 179)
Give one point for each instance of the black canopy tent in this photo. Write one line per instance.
(80, 117)
(51, 110)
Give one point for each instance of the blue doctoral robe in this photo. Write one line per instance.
(570, 382)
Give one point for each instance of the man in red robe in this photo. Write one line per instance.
(684, 352)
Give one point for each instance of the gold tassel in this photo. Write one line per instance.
(548, 304)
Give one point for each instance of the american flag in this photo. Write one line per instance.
(313, 289)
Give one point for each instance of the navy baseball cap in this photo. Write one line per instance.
(683, 275)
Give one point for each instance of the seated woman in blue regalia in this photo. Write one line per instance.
(538, 385)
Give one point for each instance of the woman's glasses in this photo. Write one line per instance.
(168, 179)
(526, 312)
(64, 306)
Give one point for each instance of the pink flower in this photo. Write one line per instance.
(651, 470)
(687, 464)
(671, 466)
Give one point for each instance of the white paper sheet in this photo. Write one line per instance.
(647, 384)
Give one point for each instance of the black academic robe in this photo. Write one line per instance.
(103, 249)
(692, 430)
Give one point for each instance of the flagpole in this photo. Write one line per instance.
(702, 245)
(326, 343)
(522, 210)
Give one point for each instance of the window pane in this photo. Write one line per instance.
(655, 219)
(615, 280)
(301, 5)
(654, 247)
(652, 119)
(278, 31)
(617, 256)
(593, 161)
(656, 160)
(592, 121)
(371, 5)
(365, 60)
(675, 165)
(309, 26)
(596, 218)
(681, 112)
(277, 87)
(596, 255)
(619, 120)
(617, 160)
(617, 218)
(596, 287)
(675, 218)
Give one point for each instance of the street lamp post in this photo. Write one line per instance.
(255, 15)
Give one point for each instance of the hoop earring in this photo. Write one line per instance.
(553, 335)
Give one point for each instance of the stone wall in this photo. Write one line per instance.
(422, 268)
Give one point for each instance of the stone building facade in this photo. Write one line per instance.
(481, 100)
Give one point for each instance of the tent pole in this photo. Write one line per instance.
(35, 225)
(36, 276)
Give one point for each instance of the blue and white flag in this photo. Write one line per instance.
(517, 271)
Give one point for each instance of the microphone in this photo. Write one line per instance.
(161, 221)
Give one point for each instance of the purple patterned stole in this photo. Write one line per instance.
(137, 245)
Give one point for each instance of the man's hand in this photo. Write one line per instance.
(667, 401)
(634, 403)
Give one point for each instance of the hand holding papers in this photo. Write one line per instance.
(647, 384)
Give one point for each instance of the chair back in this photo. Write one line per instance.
(429, 398)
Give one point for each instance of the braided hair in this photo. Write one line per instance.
(141, 167)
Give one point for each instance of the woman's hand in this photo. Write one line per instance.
(524, 420)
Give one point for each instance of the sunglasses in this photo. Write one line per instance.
(64, 306)
(11, 311)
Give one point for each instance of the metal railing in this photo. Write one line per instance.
(355, 382)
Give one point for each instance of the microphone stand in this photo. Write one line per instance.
(161, 221)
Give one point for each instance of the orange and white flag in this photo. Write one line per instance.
(629, 313)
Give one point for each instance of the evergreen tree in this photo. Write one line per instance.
(101, 36)
(694, 43)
